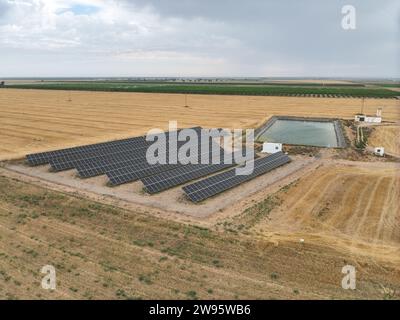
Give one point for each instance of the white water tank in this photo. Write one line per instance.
(379, 151)
(271, 147)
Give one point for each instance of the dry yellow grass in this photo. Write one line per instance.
(387, 137)
(38, 120)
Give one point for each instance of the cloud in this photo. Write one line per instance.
(227, 38)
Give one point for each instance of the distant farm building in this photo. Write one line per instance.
(370, 119)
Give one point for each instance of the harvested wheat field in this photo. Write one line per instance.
(40, 120)
(387, 137)
(353, 204)
(104, 252)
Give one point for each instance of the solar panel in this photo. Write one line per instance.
(226, 175)
(99, 159)
(138, 171)
(45, 157)
(213, 185)
(168, 179)
(77, 152)
(101, 166)
(121, 176)
(69, 162)
(175, 177)
(92, 167)
(115, 154)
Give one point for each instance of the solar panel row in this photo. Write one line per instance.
(45, 157)
(169, 179)
(92, 167)
(136, 171)
(76, 152)
(121, 177)
(181, 175)
(108, 156)
(228, 174)
(68, 162)
(101, 157)
(213, 185)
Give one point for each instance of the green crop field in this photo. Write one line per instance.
(221, 89)
(385, 85)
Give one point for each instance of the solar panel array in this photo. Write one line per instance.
(124, 161)
(218, 183)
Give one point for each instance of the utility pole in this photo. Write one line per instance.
(362, 105)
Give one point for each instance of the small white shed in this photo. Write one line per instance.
(379, 151)
(271, 147)
(371, 119)
(365, 118)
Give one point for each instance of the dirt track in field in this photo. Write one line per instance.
(38, 120)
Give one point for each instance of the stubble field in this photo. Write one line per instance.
(105, 252)
(39, 120)
(350, 201)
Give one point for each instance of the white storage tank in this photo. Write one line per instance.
(379, 151)
(271, 147)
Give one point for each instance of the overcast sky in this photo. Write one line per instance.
(40, 38)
